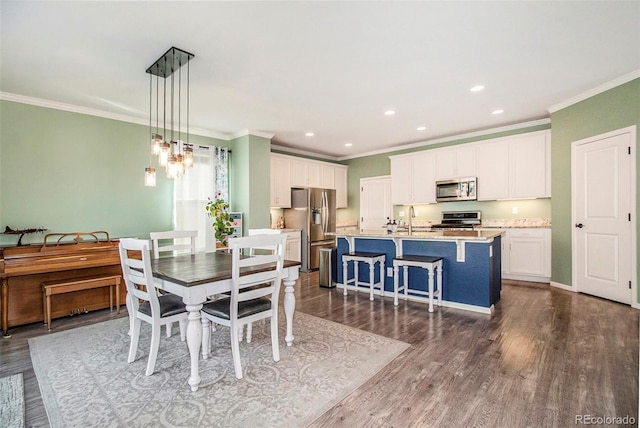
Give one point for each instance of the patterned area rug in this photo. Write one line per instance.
(85, 379)
(12, 401)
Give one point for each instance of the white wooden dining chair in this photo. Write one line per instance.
(160, 245)
(269, 249)
(143, 301)
(163, 247)
(247, 302)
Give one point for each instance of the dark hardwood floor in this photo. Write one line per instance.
(541, 359)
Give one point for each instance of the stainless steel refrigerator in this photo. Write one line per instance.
(314, 212)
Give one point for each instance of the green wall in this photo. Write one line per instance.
(73, 172)
(614, 109)
(249, 180)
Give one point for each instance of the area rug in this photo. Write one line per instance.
(85, 379)
(12, 401)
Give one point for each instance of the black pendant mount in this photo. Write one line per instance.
(170, 62)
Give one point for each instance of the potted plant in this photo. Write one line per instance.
(222, 223)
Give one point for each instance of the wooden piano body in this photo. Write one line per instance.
(23, 270)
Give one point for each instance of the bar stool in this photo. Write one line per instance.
(425, 262)
(371, 259)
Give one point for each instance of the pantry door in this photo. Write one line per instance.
(602, 183)
(375, 203)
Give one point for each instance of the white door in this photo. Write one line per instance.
(375, 203)
(602, 215)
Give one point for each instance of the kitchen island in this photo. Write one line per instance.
(471, 258)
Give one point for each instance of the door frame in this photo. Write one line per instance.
(364, 180)
(574, 238)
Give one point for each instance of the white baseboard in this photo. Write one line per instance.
(529, 278)
(454, 305)
(561, 286)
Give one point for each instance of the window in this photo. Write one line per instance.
(208, 176)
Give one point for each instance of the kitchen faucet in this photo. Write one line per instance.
(412, 214)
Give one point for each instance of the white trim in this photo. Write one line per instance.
(529, 278)
(288, 150)
(562, 286)
(245, 132)
(595, 91)
(100, 113)
(634, 266)
(445, 303)
(473, 134)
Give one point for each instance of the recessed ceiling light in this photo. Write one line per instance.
(497, 112)
(421, 128)
(348, 144)
(309, 134)
(389, 113)
(477, 88)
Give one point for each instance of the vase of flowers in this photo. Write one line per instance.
(218, 209)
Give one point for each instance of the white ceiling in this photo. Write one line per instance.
(332, 68)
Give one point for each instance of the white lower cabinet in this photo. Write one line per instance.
(293, 250)
(526, 254)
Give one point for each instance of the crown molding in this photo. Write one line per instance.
(39, 102)
(595, 91)
(286, 149)
(513, 127)
(255, 133)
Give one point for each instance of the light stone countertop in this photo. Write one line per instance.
(438, 235)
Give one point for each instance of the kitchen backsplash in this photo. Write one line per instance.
(497, 223)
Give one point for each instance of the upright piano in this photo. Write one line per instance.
(23, 269)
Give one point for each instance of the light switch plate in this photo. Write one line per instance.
(401, 214)
(389, 272)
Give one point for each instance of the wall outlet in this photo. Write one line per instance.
(514, 210)
(389, 272)
(401, 214)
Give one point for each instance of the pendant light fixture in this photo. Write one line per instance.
(177, 154)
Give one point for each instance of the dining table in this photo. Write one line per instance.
(195, 277)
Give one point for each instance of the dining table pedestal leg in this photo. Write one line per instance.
(194, 341)
(289, 308)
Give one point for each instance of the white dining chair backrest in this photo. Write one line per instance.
(137, 272)
(159, 247)
(265, 275)
(255, 232)
(155, 309)
(255, 287)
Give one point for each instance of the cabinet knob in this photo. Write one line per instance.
(579, 225)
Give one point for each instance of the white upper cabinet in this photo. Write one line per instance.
(456, 161)
(514, 167)
(493, 170)
(517, 167)
(305, 173)
(413, 178)
(327, 176)
(340, 177)
(529, 166)
(401, 180)
(280, 182)
(290, 171)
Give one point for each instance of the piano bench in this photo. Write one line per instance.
(52, 288)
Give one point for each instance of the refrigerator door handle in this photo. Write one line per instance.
(325, 213)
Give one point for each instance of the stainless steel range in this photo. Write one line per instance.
(463, 220)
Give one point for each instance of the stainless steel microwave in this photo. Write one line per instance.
(459, 189)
